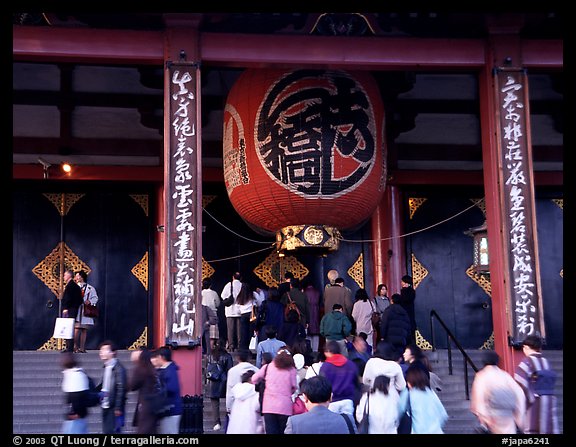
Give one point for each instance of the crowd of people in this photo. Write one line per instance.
(293, 360)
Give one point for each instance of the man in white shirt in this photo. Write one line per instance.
(232, 312)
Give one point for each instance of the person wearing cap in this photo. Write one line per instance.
(407, 298)
(486, 381)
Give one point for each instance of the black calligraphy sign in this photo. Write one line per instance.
(183, 201)
(519, 217)
(307, 116)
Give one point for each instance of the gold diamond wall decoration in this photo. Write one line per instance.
(489, 344)
(271, 270)
(422, 343)
(51, 345)
(141, 342)
(63, 202)
(559, 202)
(140, 270)
(142, 200)
(48, 270)
(481, 280)
(419, 272)
(207, 269)
(480, 203)
(414, 203)
(356, 272)
(206, 200)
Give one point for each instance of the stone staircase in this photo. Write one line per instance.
(38, 400)
(453, 394)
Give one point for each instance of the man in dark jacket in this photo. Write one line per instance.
(395, 325)
(71, 301)
(169, 423)
(113, 388)
(406, 300)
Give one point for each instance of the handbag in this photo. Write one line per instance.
(364, 423)
(298, 406)
(64, 328)
(90, 310)
(214, 371)
(252, 345)
(405, 424)
(260, 387)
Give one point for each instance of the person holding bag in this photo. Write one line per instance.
(71, 301)
(378, 409)
(84, 319)
(428, 413)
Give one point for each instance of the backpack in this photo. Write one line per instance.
(543, 382)
(214, 371)
(291, 310)
(92, 394)
(159, 403)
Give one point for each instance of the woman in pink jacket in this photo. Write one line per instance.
(280, 380)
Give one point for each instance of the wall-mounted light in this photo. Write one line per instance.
(481, 257)
(67, 168)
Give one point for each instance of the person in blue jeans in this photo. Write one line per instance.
(113, 389)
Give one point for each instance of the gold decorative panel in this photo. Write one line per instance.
(141, 342)
(48, 270)
(559, 202)
(142, 200)
(272, 269)
(206, 200)
(63, 202)
(140, 270)
(481, 280)
(414, 203)
(53, 344)
(419, 272)
(480, 203)
(489, 344)
(207, 270)
(422, 343)
(357, 271)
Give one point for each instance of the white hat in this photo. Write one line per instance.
(298, 361)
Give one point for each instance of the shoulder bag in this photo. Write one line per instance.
(364, 423)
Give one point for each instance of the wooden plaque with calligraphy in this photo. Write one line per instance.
(183, 207)
(519, 218)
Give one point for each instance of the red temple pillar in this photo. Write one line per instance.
(180, 302)
(388, 247)
(509, 193)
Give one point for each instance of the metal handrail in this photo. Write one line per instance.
(450, 336)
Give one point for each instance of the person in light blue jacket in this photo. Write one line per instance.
(428, 413)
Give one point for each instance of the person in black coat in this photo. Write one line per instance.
(407, 298)
(395, 325)
(71, 301)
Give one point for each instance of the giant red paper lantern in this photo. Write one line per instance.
(304, 148)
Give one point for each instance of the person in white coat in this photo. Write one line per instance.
(245, 417)
(380, 407)
(83, 323)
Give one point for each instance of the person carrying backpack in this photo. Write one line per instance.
(537, 379)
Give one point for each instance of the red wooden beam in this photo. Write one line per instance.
(542, 53)
(416, 177)
(111, 173)
(44, 44)
(349, 52)
(251, 50)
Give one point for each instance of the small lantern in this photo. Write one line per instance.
(481, 259)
